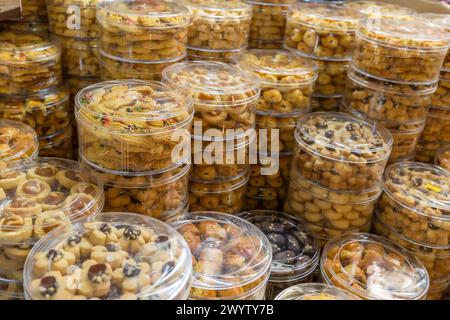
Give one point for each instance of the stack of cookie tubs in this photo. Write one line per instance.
(287, 85)
(127, 132)
(225, 99)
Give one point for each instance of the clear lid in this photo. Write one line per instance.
(213, 83)
(228, 252)
(271, 65)
(295, 249)
(133, 107)
(21, 47)
(219, 9)
(111, 256)
(17, 140)
(39, 195)
(420, 186)
(155, 14)
(219, 187)
(345, 138)
(313, 291)
(374, 268)
(368, 7)
(440, 20)
(404, 32)
(42, 100)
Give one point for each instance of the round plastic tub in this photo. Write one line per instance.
(47, 112)
(80, 57)
(224, 96)
(231, 257)
(437, 127)
(10, 289)
(143, 31)
(225, 56)
(226, 197)
(18, 141)
(29, 62)
(57, 145)
(326, 104)
(443, 157)
(132, 125)
(295, 249)
(287, 80)
(341, 152)
(219, 25)
(314, 291)
(441, 97)
(33, 10)
(265, 44)
(73, 18)
(322, 30)
(349, 263)
(403, 49)
(442, 21)
(114, 256)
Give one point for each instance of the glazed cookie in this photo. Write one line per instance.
(231, 257)
(58, 145)
(29, 62)
(415, 202)
(325, 104)
(340, 152)
(441, 97)
(443, 157)
(331, 80)
(143, 31)
(121, 256)
(17, 141)
(132, 125)
(437, 127)
(287, 80)
(80, 57)
(350, 262)
(314, 291)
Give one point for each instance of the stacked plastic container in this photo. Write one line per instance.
(129, 132)
(225, 99)
(287, 85)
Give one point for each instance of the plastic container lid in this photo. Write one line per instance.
(39, 195)
(358, 141)
(295, 248)
(111, 256)
(228, 252)
(18, 141)
(368, 7)
(440, 20)
(374, 268)
(313, 291)
(213, 83)
(133, 107)
(219, 9)
(419, 187)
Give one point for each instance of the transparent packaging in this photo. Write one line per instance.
(442, 21)
(314, 291)
(437, 127)
(349, 263)
(80, 57)
(113, 256)
(29, 62)
(370, 8)
(443, 157)
(10, 288)
(224, 96)
(441, 97)
(265, 44)
(295, 249)
(405, 49)
(231, 257)
(58, 145)
(17, 141)
(341, 152)
(326, 104)
(322, 30)
(287, 81)
(416, 202)
(33, 10)
(132, 125)
(226, 197)
(225, 56)
(143, 31)
(331, 81)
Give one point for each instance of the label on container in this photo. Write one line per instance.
(73, 20)
(432, 188)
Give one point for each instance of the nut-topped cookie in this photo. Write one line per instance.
(17, 141)
(314, 291)
(115, 256)
(416, 202)
(341, 152)
(132, 125)
(231, 257)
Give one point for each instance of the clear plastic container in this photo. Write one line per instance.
(117, 69)
(341, 152)
(231, 257)
(33, 10)
(18, 141)
(435, 259)
(331, 81)
(295, 249)
(416, 202)
(325, 104)
(226, 197)
(287, 80)
(437, 127)
(10, 289)
(114, 256)
(374, 268)
(322, 30)
(383, 101)
(73, 18)
(38, 27)
(442, 21)
(225, 56)
(143, 31)
(80, 57)
(218, 24)
(47, 112)
(404, 49)
(58, 145)
(265, 44)
(371, 8)
(314, 291)
(132, 125)
(443, 157)
(29, 62)
(441, 97)
(224, 96)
